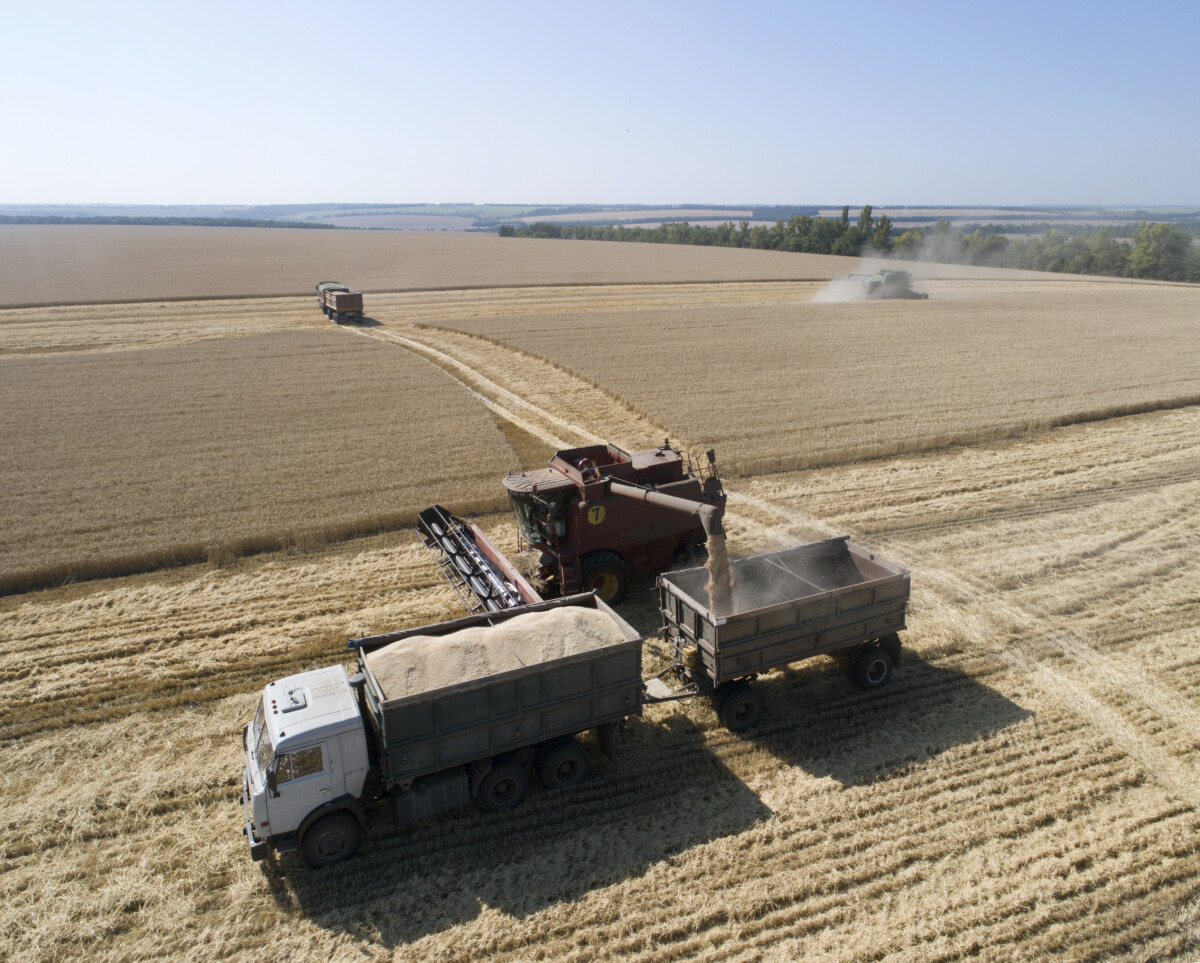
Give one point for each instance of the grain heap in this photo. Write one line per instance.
(423, 663)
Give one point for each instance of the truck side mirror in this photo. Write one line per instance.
(272, 781)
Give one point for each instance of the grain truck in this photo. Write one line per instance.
(323, 744)
(338, 302)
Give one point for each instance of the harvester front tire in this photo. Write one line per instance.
(741, 708)
(331, 840)
(873, 668)
(605, 574)
(567, 764)
(503, 787)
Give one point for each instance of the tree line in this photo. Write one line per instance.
(1158, 250)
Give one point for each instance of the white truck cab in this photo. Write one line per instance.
(306, 765)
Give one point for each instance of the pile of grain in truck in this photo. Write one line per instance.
(422, 663)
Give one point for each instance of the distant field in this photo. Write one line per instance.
(403, 222)
(785, 382)
(635, 215)
(41, 265)
(119, 460)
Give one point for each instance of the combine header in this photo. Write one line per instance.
(482, 577)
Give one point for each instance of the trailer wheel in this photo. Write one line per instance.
(873, 668)
(503, 787)
(331, 840)
(566, 764)
(605, 574)
(741, 708)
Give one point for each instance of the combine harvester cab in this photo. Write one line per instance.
(598, 514)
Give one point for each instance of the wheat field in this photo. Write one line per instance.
(78, 264)
(777, 381)
(117, 461)
(1027, 788)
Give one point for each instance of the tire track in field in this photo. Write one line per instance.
(493, 396)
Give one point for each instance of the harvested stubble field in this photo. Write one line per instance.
(48, 265)
(1025, 789)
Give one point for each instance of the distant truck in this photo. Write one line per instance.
(323, 744)
(339, 303)
(884, 285)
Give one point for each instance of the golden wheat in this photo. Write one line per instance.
(778, 386)
(122, 461)
(92, 263)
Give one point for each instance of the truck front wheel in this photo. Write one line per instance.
(503, 787)
(331, 840)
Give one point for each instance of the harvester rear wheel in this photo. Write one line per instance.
(605, 574)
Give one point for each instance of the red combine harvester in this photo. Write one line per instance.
(596, 514)
(599, 514)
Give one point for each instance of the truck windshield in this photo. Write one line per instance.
(262, 742)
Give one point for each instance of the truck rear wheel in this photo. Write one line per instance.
(873, 668)
(503, 787)
(331, 840)
(741, 708)
(605, 574)
(566, 764)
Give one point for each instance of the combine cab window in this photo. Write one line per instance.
(540, 519)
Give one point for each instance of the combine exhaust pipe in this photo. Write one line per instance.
(710, 515)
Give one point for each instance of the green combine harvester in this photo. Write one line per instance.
(888, 284)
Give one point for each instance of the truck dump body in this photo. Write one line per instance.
(433, 731)
(786, 606)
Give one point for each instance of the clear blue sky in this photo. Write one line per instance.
(772, 102)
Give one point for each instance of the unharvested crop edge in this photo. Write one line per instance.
(432, 290)
(220, 553)
(865, 453)
(1056, 279)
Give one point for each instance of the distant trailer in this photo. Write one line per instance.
(339, 303)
